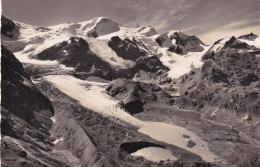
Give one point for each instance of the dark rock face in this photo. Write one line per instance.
(150, 64)
(248, 79)
(127, 92)
(8, 26)
(135, 94)
(234, 67)
(18, 89)
(183, 44)
(213, 74)
(132, 147)
(250, 36)
(25, 117)
(76, 54)
(127, 49)
(191, 144)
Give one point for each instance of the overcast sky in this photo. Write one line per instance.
(208, 19)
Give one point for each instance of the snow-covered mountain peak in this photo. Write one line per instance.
(243, 42)
(250, 36)
(92, 28)
(251, 39)
(219, 44)
(180, 43)
(99, 26)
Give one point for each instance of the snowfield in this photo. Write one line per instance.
(101, 49)
(155, 154)
(181, 64)
(92, 95)
(131, 32)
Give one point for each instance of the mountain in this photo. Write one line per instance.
(96, 93)
(179, 42)
(102, 26)
(76, 53)
(136, 42)
(92, 28)
(250, 36)
(229, 80)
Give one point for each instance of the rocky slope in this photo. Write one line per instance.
(228, 80)
(18, 89)
(134, 95)
(25, 113)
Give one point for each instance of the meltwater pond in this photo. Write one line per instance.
(155, 154)
(179, 137)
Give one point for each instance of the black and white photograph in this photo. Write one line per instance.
(130, 83)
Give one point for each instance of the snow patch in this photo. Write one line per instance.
(155, 154)
(53, 119)
(101, 49)
(58, 140)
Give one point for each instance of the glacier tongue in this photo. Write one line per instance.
(91, 95)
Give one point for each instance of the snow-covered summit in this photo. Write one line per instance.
(180, 43)
(99, 26)
(93, 28)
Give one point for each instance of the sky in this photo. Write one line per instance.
(210, 20)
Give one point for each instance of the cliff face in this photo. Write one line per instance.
(26, 114)
(9, 28)
(19, 94)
